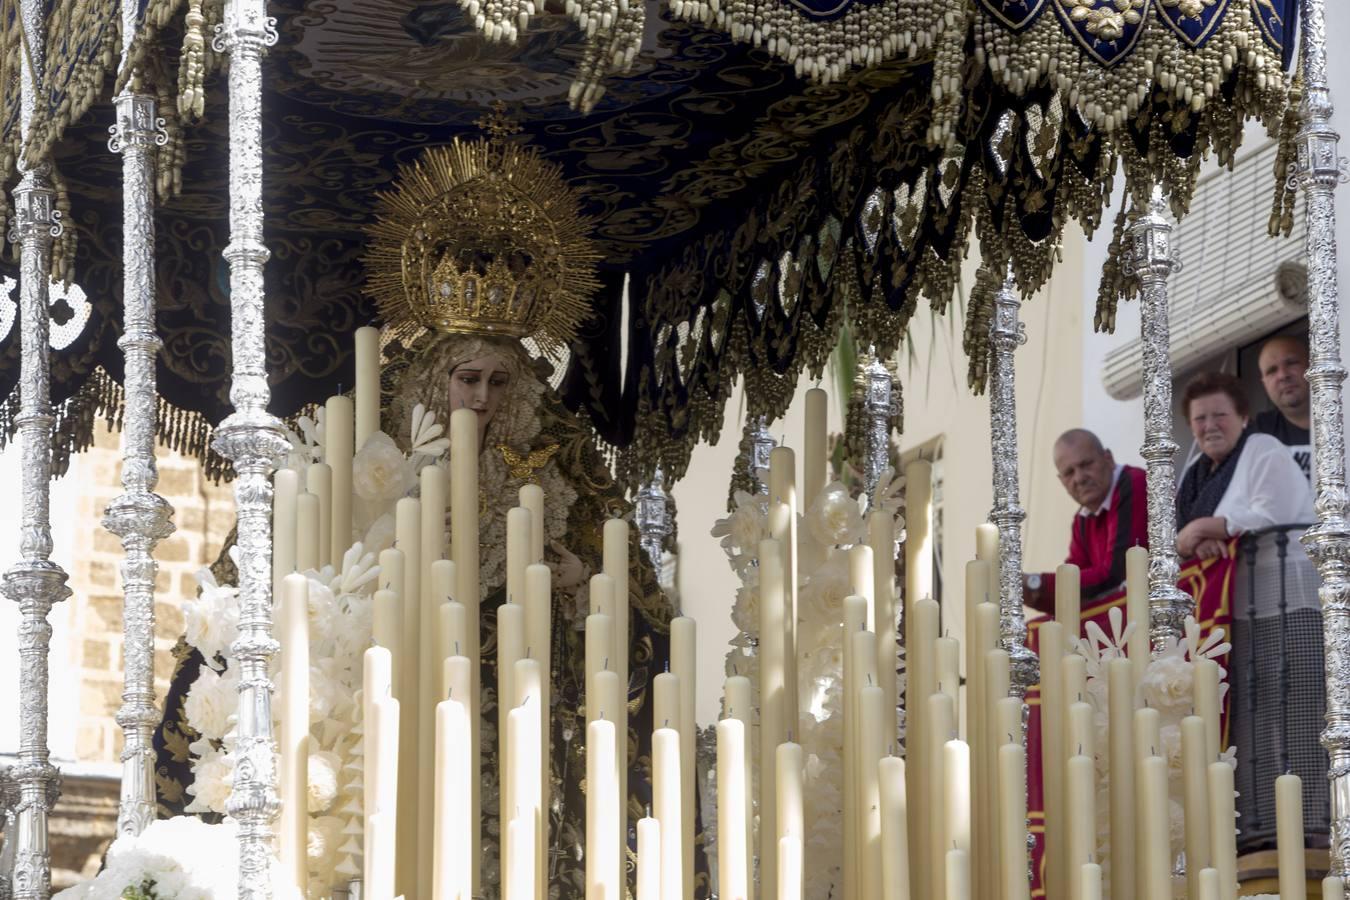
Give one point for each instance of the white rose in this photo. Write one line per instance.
(821, 599)
(745, 611)
(323, 781)
(379, 469)
(325, 838)
(834, 518)
(212, 780)
(212, 702)
(1167, 686)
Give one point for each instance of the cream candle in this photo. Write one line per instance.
(464, 551)
(994, 732)
(790, 867)
(307, 532)
(956, 794)
(319, 482)
(1090, 877)
(1333, 888)
(367, 383)
(666, 701)
(539, 647)
(456, 679)
(615, 555)
(881, 538)
(683, 641)
(815, 451)
(1222, 825)
(957, 872)
(733, 789)
(947, 659)
(381, 847)
(921, 632)
(285, 495)
(1052, 758)
(861, 579)
(872, 743)
(737, 704)
(520, 842)
(510, 649)
(376, 682)
(1156, 880)
(532, 498)
(293, 749)
(783, 489)
(918, 533)
(1136, 607)
(894, 829)
(1289, 837)
(388, 633)
(1120, 763)
(1012, 817)
(649, 860)
(1082, 729)
(772, 710)
(1195, 798)
(525, 866)
(451, 864)
(1082, 835)
(791, 825)
(986, 544)
(339, 435)
(421, 671)
(603, 867)
(941, 725)
(993, 686)
(1208, 880)
(1068, 600)
(857, 648)
(1206, 687)
(518, 546)
(381, 772)
(667, 808)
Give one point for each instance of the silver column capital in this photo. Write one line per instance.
(1149, 258)
(654, 520)
(881, 404)
(1006, 334)
(761, 446)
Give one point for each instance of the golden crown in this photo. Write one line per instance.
(484, 237)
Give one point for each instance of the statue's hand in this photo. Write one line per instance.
(568, 571)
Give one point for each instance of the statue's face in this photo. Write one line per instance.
(479, 384)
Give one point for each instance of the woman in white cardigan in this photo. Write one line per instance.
(1241, 481)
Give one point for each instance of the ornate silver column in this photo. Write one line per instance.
(654, 520)
(35, 582)
(882, 406)
(140, 517)
(1006, 333)
(1317, 172)
(1148, 257)
(761, 445)
(253, 440)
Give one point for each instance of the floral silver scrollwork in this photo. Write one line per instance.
(654, 520)
(882, 405)
(35, 583)
(139, 516)
(1316, 173)
(253, 440)
(1149, 258)
(1006, 333)
(761, 445)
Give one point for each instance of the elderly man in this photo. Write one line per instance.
(1112, 517)
(1283, 362)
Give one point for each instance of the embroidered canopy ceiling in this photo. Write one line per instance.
(759, 171)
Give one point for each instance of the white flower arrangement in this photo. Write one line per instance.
(835, 521)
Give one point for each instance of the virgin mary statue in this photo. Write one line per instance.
(481, 267)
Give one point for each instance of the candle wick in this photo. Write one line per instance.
(1080, 749)
(527, 652)
(666, 724)
(457, 648)
(606, 666)
(1010, 737)
(869, 679)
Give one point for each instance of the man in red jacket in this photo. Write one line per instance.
(1112, 517)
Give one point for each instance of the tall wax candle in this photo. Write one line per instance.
(420, 674)
(861, 579)
(441, 588)
(783, 489)
(518, 539)
(1120, 763)
(382, 774)
(307, 532)
(1206, 688)
(956, 868)
(1068, 600)
(1007, 719)
(921, 632)
(381, 845)
(451, 864)
(437, 584)
(649, 859)
(1090, 877)
(855, 618)
(815, 461)
(1209, 884)
(791, 823)
(294, 731)
(941, 729)
(520, 843)
(790, 881)
(367, 383)
(772, 711)
(1082, 796)
(510, 649)
(539, 647)
(376, 682)
(1052, 757)
(894, 829)
(881, 538)
(285, 492)
(526, 681)
(993, 685)
(737, 705)
(603, 867)
(872, 746)
(464, 551)
(388, 633)
(522, 769)
(733, 788)
(956, 793)
(615, 555)
(947, 656)
(666, 701)
(683, 644)
(456, 679)
(1155, 850)
(1082, 729)
(532, 498)
(1195, 800)
(1012, 818)
(1136, 607)
(451, 625)
(1289, 837)
(986, 544)
(667, 807)
(1333, 888)
(319, 482)
(918, 535)
(1147, 740)
(1223, 825)
(339, 436)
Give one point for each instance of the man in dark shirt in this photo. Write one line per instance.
(1112, 517)
(1283, 362)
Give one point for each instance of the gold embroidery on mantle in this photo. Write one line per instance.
(524, 466)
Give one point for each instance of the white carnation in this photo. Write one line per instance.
(834, 518)
(380, 472)
(212, 702)
(211, 619)
(323, 781)
(1167, 686)
(212, 780)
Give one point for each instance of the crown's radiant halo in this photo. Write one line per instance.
(482, 237)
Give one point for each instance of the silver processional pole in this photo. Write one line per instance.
(35, 582)
(1006, 333)
(1148, 256)
(139, 516)
(1317, 172)
(253, 440)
